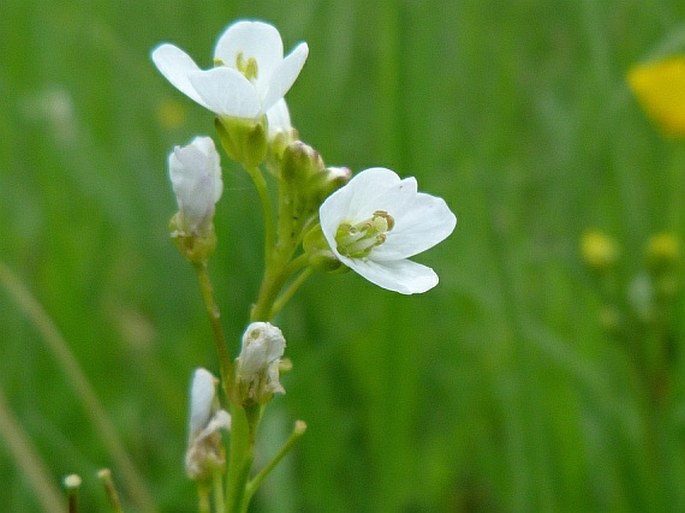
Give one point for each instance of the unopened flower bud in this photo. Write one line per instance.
(195, 175)
(205, 451)
(280, 131)
(257, 367)
(323, 184)
(300, 162)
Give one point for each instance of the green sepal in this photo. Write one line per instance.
(243, 139)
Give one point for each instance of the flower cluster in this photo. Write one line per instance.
(325, 219)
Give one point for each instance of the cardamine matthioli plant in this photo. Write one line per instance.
(324, 220)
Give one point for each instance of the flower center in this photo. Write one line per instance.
(358, 240)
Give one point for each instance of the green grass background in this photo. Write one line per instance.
(496, 392)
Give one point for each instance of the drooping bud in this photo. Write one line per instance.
(205, 450)
(257, 367)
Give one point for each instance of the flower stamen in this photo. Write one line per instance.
(248, 67)
(358, 240)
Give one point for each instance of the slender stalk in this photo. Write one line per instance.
(203, 504)
(218, 489)
(275, 278)
(244, 422)
(28, 460)
(72, 483)
(225, 362)
(105, 476)
(253, 485)
(81, 386)
(290, 291)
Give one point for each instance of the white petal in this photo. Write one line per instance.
(177, 66)
(278, 119)
(206, 145)
(202, 392)
(252, 39)
(227, 92)
(283, 76)
(403, 276)
(419, 226)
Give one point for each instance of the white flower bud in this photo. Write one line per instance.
(195, 175)
(257, 365)
(205, 450)
(278, 121)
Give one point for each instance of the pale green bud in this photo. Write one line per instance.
(326, 182)
(300, 162)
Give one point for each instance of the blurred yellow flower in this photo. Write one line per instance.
(599, 250)
(663, 250)
(660, 88)
(171, 114)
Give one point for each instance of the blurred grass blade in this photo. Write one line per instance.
(78, 381)
(28, 460)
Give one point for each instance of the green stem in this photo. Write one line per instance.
(253, 485)
(244, 422)
(218, 489)
(225, 362)
(105, 476)
(290, 291)
(275, 277)
(203, 498)
(267, 208)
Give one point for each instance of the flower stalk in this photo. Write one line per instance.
(214, 316)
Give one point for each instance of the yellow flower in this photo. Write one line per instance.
(663, 250)
(660, 89)
(599, 250)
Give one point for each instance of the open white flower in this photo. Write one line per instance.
(377, 221)
(250, 74)
(195, 174)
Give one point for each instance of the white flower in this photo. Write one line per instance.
(195, 175)
(377, 221)
(205, 450)
(257, 365)
(250, 74)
